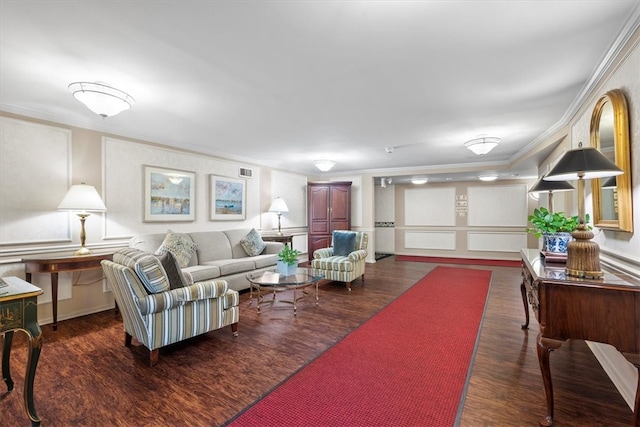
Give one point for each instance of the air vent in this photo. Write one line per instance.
(246, 173)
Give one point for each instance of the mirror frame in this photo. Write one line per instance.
(622, 160)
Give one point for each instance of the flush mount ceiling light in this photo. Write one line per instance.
(419, 181)
(104, 100)
(488, 177)
(483, 145)
(324, 165)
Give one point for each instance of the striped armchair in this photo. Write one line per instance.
(343, 263)
(157, 315)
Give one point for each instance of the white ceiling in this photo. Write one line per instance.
(281, 83)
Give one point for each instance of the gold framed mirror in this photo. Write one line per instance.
(609, 133)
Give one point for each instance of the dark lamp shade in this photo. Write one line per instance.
(542, 186)
(585, 163)
(610, 183)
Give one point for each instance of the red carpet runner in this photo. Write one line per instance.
(405, 366)
(466, 261)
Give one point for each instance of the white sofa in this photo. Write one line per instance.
(219, 255)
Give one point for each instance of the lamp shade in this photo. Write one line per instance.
(582, 163)
(102, 99)
(278, 205)
(481, 146)
(324, 165)
(82, 198)
(542, 186)
(611, 182)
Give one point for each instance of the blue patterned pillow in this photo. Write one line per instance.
(252, 243)
(344, 242)
(151, 274)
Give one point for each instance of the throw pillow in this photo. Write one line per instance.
(151, 274)
(252, 243)
(181, 246)
(344, 242)
(174, 273)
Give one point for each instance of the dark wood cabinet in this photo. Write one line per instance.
(329, 208)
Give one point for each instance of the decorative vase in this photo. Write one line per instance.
(286, 269)
(556, 243)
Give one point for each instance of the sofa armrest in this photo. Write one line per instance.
(162, 301)
(272, 248)
(358, 255)
(323, 253)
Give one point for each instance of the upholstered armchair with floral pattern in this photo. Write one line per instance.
(159, 307)
(344, 261)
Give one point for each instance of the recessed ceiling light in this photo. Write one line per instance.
(419, 181)
(488, 177)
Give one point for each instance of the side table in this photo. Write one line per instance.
(55, 265)
(287, 239)
(19, 311)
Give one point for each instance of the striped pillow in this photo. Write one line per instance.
(151, 274)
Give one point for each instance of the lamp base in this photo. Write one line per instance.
(583, 255)
(82, 251)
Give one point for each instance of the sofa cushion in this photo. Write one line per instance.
(234, 236)
(232, 266)
(200, 273)
(212, 245)
(262, 261)
(173, 271)
(344, 242)
(252, 243)
(180, 245)
(152, 274)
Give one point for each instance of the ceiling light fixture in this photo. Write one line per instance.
(419, 181)
(324, 165)
(482, 145)
(102, 99)
(488, 177)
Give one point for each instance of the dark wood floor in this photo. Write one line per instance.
(86, 377)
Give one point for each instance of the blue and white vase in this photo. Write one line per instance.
(556, 243)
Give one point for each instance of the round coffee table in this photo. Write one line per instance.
(272, 282)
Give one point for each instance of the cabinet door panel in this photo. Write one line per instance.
(340, 205)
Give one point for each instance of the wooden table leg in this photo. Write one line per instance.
(32, 328)
(523, 290)
(54, 299)
(6, 357)
(544, 348)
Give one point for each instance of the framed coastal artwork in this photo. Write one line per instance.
(169, 195)
(228, 196)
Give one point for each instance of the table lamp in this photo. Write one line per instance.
(278, 206)
(542, 186)
(82, 199)
(583, 255)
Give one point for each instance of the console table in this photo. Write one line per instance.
(54, 265)
(19, 311)
(605, 310)
(287, 239)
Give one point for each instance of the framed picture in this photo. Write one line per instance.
(228, 197)
(169, 194)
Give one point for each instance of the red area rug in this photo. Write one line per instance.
(467, 261)
(405, 366)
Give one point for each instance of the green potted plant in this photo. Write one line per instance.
(288, 261)
(554, 227)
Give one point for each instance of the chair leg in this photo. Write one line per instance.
(127, 340)
(234, 329)
(349, 286)
(154, 355)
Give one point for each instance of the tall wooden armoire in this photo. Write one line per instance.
(329, 208)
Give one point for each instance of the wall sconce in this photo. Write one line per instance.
(104, 100)
(278, 206)
(583, 255)
(82, 199)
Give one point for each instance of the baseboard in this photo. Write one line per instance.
(622, 373)
(46, 320)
